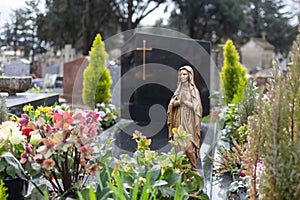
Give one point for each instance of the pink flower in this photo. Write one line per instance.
(48, 128)
(27, 154)
(24, 120)
(62, 120)
(48, 164)
(93, 168)
(241, 174)
(85, 148)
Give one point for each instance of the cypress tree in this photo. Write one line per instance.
(96, 77)
(233, 75)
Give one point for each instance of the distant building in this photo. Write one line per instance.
(257, 53)
(7, 54)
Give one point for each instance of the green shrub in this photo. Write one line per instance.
(148, 175)
(3, 190)
(3, 110)
(96, 77)
(274, 136)
(233, 75)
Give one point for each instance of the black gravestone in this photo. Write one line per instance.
(149, 65)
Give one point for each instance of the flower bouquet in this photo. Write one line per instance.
(58, 147)
(11, 171)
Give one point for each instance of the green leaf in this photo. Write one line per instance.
(167, 192)
(194, 182)
(35, 194)
(80, 195)
(92, 193)
(10, 171)
(14, 163)
(146, 189)
(155, 172)
(2, 165)
(134, 194)
(173, 179)
(160, 183)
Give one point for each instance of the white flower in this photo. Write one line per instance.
(107, 110)
(35, 139)
(9, 130)
(8, 127)
(102, 114)
(16, 137)
(102, 105)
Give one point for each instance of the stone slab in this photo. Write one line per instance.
(16, 102)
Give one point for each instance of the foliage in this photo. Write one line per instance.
(11, 147)
(207, 19)
(109, 114)
(232, 129)
(96, 72)
(58, 146)
(246, 106)
(3, 189)
(3, 110)
(149, 175)
(75, 22)
(253, 150)
(129, 13)
(230, 160)
(240, 188)
(233, 75)
(219, 20)
(274, 135)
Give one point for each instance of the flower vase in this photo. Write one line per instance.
(16, 188)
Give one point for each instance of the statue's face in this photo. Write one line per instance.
(184, 76)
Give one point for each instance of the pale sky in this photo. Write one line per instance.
(6, 7)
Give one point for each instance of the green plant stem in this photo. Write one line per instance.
(55, 188)
(66, 175)
(76, 165)
(56, 180)
(57, 164)
(85, 178)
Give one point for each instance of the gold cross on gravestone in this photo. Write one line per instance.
(144, 49)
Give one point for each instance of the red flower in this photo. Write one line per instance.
(26, 131)
(48, 128)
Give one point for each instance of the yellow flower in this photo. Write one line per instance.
(27, 108)
(13, 118)
(37, 112)
(47, 109)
